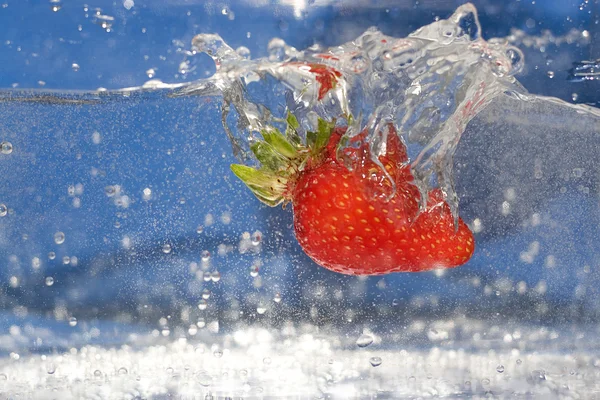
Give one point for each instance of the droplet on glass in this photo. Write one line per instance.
(205, 255)
(75, 67)
(51, 255)
(55, 5)
(49, 281)
(256, 238)
(277, 297)
(166, 248)
(72, 321)
(122, 371)
(364, 340)
(3, 210)
(500, 369)
(215, 276)
(59, 238)
(206, 294)
(202, 304)
(51, 368)
(550, 74)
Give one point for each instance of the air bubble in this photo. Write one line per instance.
(122, 371)
(261, 310)
(254, 271)
(206, 294)
(205, 255)
(218, 353)
(72, 321)
(110, 191)
(277, 297)
(215, 276)
(550, 74)
(6, 147)
(202, 304)
(51, 255)
(376, 361)
(166, 248)
(199, 229)
(75, 67)
(364, 340)
(3, 210)
(51, 368)
(49, 281)
(500, 368)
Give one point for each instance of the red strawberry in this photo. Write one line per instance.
(356, 220)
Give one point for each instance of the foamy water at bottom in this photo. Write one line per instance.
(462, 359)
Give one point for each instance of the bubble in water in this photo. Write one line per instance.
(199, 229)
(165, 331)
(51, 255)
(97, 373)
(215, 276)
(205, 255)
(51, 368)
(59, 238)
(202, 304)
(66, 260)
(122, 371)
(376, 361)
(49, 281)
(218, 353)
(6, 147)
(206, 294)
(277, 297)
(550, 74)
(364, 340)
(72, 321)
(519, 361)
(75, 67)
(3, 377)
(254, 271)
(166, 248)
(574, 96)
(3, 210)
(500, 368)
(261, 310)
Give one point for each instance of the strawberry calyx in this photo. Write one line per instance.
(282, 157)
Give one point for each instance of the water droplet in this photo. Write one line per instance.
(261, 310)
(3, 377)
(55, 5)
(277, 297)
(202, 304)
(574, 96)
(199, 229)
(376, 361)
(49, 281)
(500, 368)
(59, 238)
(72, 321)
(66, 260)
(51, 368)
(122, 371)
(6, 147)
(206, 276)
(165, 331)
(51, 255)
(206, 294)
(215, 276)
(97, 373)
(364, 340)
(3, 210)
(75, 67)
(204, 378)
(218, 353)
(205, 255)
(110, 190)
(550, 74)
(519, 361)
(254, 271)
(256, 238)
(166, 248)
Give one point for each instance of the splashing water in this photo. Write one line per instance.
(430, 84)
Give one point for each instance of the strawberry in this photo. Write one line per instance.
(349, 215)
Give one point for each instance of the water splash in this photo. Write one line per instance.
(430, 84)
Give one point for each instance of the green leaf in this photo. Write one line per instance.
(292, 121)
(311, 138)
(279, 143)
(324, 130)
(268, 157)
(267, 187)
